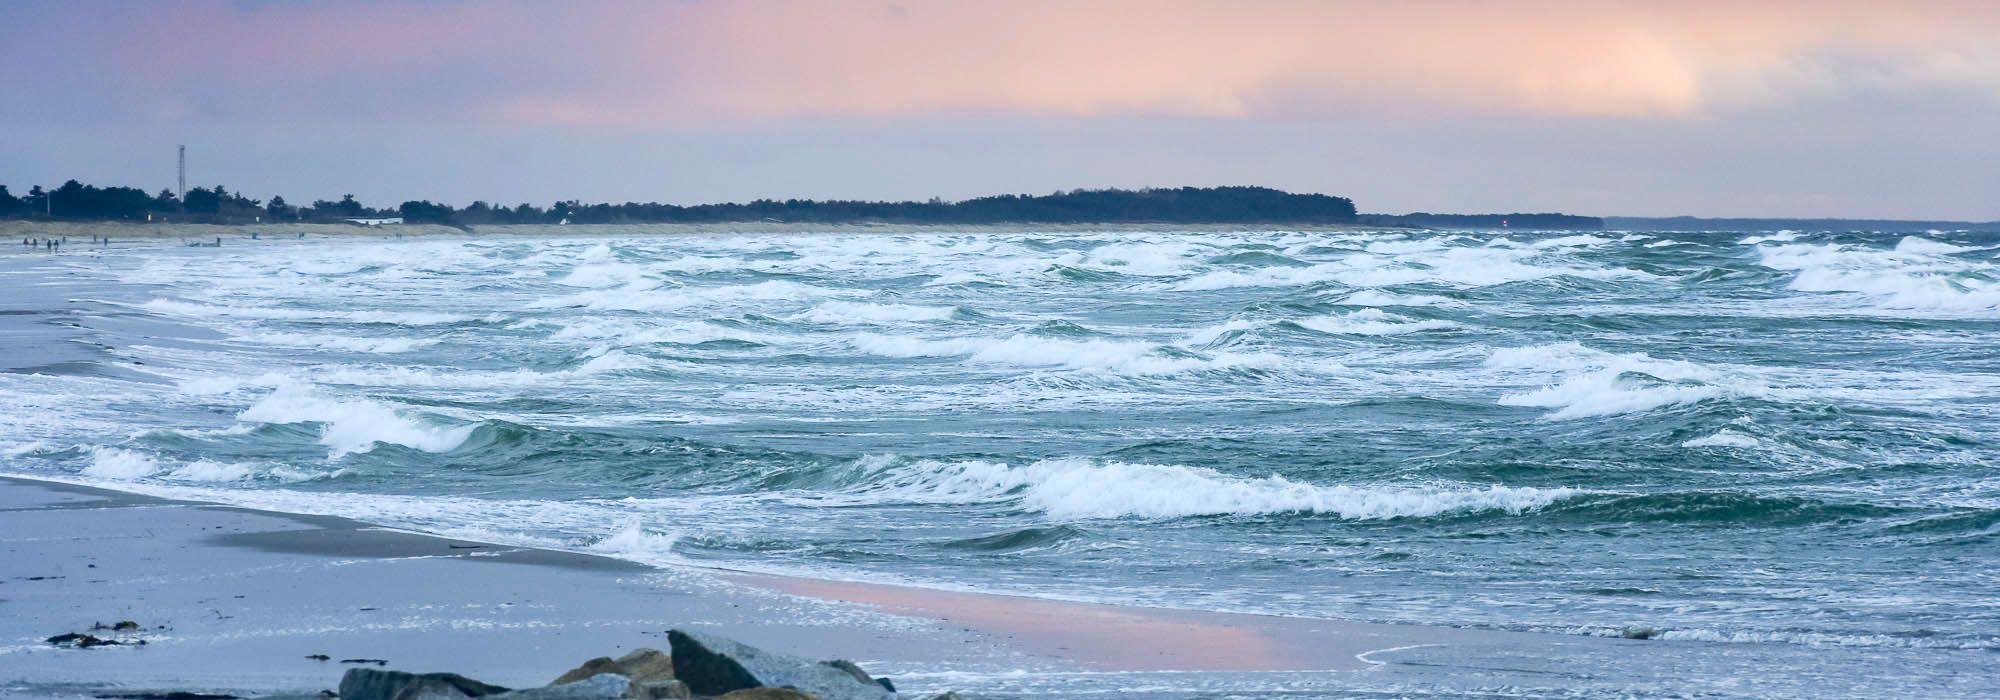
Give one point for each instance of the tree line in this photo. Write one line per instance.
(75, 200)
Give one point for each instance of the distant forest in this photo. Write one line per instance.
(1188, 205)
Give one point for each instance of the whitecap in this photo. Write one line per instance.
(1077, 488)
(1372, 322)
(1595, 383)
(352, 425)
(120, 463)
(847, 312)
(1724, 438)
(1023, 350)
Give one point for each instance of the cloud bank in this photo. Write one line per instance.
(706, 63)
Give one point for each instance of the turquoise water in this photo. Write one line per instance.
(1780, 440)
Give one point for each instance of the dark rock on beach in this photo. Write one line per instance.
(765, 694)
(83, 641)
(371, 684)
(641, 666)
(712, 665)
(701, 666)
(605, 686)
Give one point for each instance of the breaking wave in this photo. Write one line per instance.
(1075, 488)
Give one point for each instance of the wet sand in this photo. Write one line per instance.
(235, 600)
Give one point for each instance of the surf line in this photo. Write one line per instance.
(1363, 656)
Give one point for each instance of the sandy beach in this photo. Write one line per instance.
(234, 601)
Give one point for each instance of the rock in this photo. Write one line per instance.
(646, 666)
(858, 674)
(1638, 633)
(658, 690)
(642, 666)
(602, 664)
(711, 665)
(603, 686)
(851, 669)
(81, 641)
(766, 694)
(125, 626)
(947, 695)
(371, 684)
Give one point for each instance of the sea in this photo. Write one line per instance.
(1773, 456)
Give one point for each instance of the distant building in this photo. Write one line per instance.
(384, 221)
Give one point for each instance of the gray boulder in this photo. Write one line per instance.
(603, 686)
(642, 666)
(711, 665)
(602, 664)
(765, 694)
(373, 684)
(658, 690)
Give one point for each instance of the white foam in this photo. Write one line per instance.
(634, 542)
(1595, 383)
(1376, 297)
(646, 298)
(847, 312)
(1371, 322)
(1912, 277)
(202, 312)
(13, 450)
(1075, 488)
(1924, 246)
(121, 464)
(1414, 263)
(352, 425)
(209, 470)
(1724, 438)
(1023, 350)
(613, 361)
(338, 342)
(1778, 237)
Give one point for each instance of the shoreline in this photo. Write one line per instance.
(79, 532)
(20, 228)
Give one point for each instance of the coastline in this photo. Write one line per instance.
(16, 229)
(234, 600)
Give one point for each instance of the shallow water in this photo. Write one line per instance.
(1768, 438)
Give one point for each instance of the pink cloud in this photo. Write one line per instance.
(713, 62)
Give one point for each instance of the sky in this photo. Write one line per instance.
(1815, 108)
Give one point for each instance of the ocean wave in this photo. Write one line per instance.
(1911, 277)
(203, 312)
(1595, 383)
(1077, 488)
(338, 342)
(627, 333)
(120, 463)
(1924, 246)
(1777, 237)
(1024, 350)
(352, 425)
(1430, 263)
(1715, 508)
(1724, 438)
(848, 312)
(1801, 637)
(1376, 297)
(1372, 322)
(648, 298)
